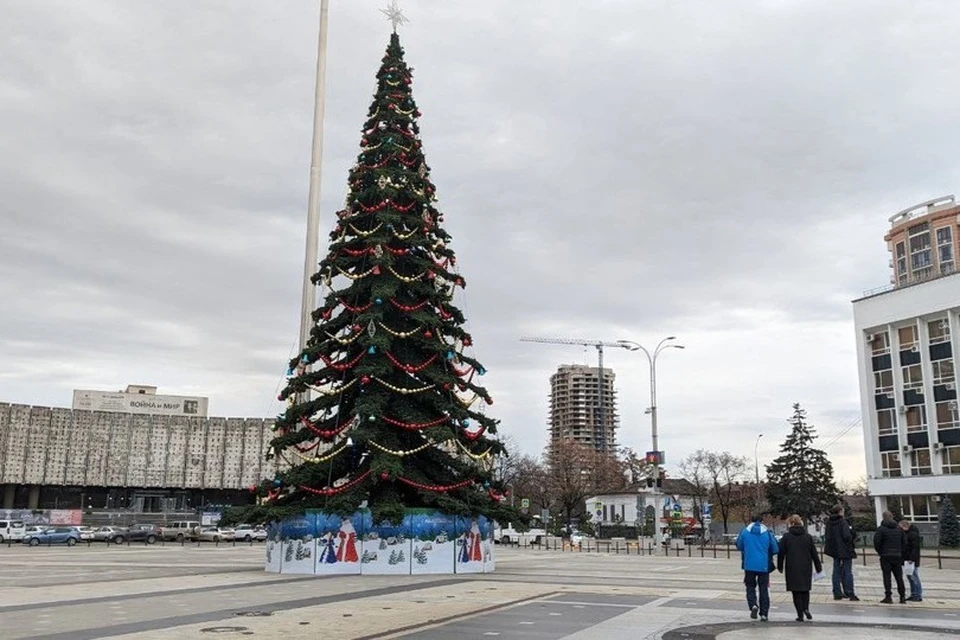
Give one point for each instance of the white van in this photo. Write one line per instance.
(12, 530)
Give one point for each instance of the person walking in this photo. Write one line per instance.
(797, 559)
(912, 554)
(757, 545)
(890, 542)
(838, 544)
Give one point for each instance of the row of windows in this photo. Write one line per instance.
(921, 253)
(915, 418)
(908, 337)
(920, 462)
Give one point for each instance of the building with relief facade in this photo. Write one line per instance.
(908, 335)
(581, 409)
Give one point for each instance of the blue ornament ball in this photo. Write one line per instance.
(486, 485)
(449, 355)
(305, 359)
(465, 422)
(378, 301)
(289, 372)
(372, 349)
(278, 482)
(481, 371)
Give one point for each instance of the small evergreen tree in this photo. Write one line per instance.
(949, 526)
(800, 480)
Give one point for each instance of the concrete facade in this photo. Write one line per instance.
(907, 339)
(45, 446)
(575, 399)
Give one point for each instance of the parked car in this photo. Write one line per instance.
(181, 530)
(86, 533)
(215, 534)
(148, 533)
(13, 530)
(32, 529)
(110, 534)
(248, 532)
(55, 535)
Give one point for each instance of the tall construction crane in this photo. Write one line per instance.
(598, 345)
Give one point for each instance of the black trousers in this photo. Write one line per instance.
(888, 567)
(801, 602)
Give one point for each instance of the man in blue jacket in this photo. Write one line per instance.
(757, 546)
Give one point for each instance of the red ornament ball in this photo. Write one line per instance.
(253, 488)
(489, 400)
(427, 334)
(376, 271)
(357, 328)
(446, 386)
(384, 475)
(365, 380)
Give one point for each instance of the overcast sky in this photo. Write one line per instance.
(718, 171)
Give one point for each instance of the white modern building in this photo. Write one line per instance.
(907, 336)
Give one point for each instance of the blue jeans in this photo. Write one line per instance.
(752, 580)
(916, 589)
(843, 577)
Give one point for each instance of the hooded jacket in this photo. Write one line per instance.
(890, 541)
(756, 544)
(838, 539)
(797, 558)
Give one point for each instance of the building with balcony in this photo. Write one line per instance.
(582, 408)
(907, 336)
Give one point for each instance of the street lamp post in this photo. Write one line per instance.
(652, 410)
(756, 462)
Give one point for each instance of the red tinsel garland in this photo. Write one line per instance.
(355, 309)
(323, 433)
(414, 426)
(410, 308)
(342, 367)
(434, 487)
(409, 368)
(335, 490)
(474, 436)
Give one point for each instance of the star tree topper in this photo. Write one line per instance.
(394, 14)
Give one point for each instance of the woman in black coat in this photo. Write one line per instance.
(799, 554)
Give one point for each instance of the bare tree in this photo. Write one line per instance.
(575, 472)
(693, 469)
(725, 470)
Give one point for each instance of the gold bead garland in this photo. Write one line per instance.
(399, 334)
(332, 392)
(343, 341)
(464, 403)
(405, 236)
(319, 459)
(401, 454)
(476, 456)
(357, 276)
(401, 390)
(365, 234)
(406, 279)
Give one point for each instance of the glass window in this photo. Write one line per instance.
(939, 331)
(880, 343)
(920, 463)
(947, 417)
(912, 377)
(916, 418)
(945, 249)
(943, 371)
(920, 258)
(883, 380)
(886, 422)
(907, 336)
(951, 460)
(890, 464)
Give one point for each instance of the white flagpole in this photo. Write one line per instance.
(313, 206)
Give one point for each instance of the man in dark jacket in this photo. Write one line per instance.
(912, 554)
(838, 544)
(890, 542)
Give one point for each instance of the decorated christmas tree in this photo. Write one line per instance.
(384, 409)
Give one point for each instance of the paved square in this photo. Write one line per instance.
(141, 592)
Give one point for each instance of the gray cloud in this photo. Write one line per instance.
(721, 171)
